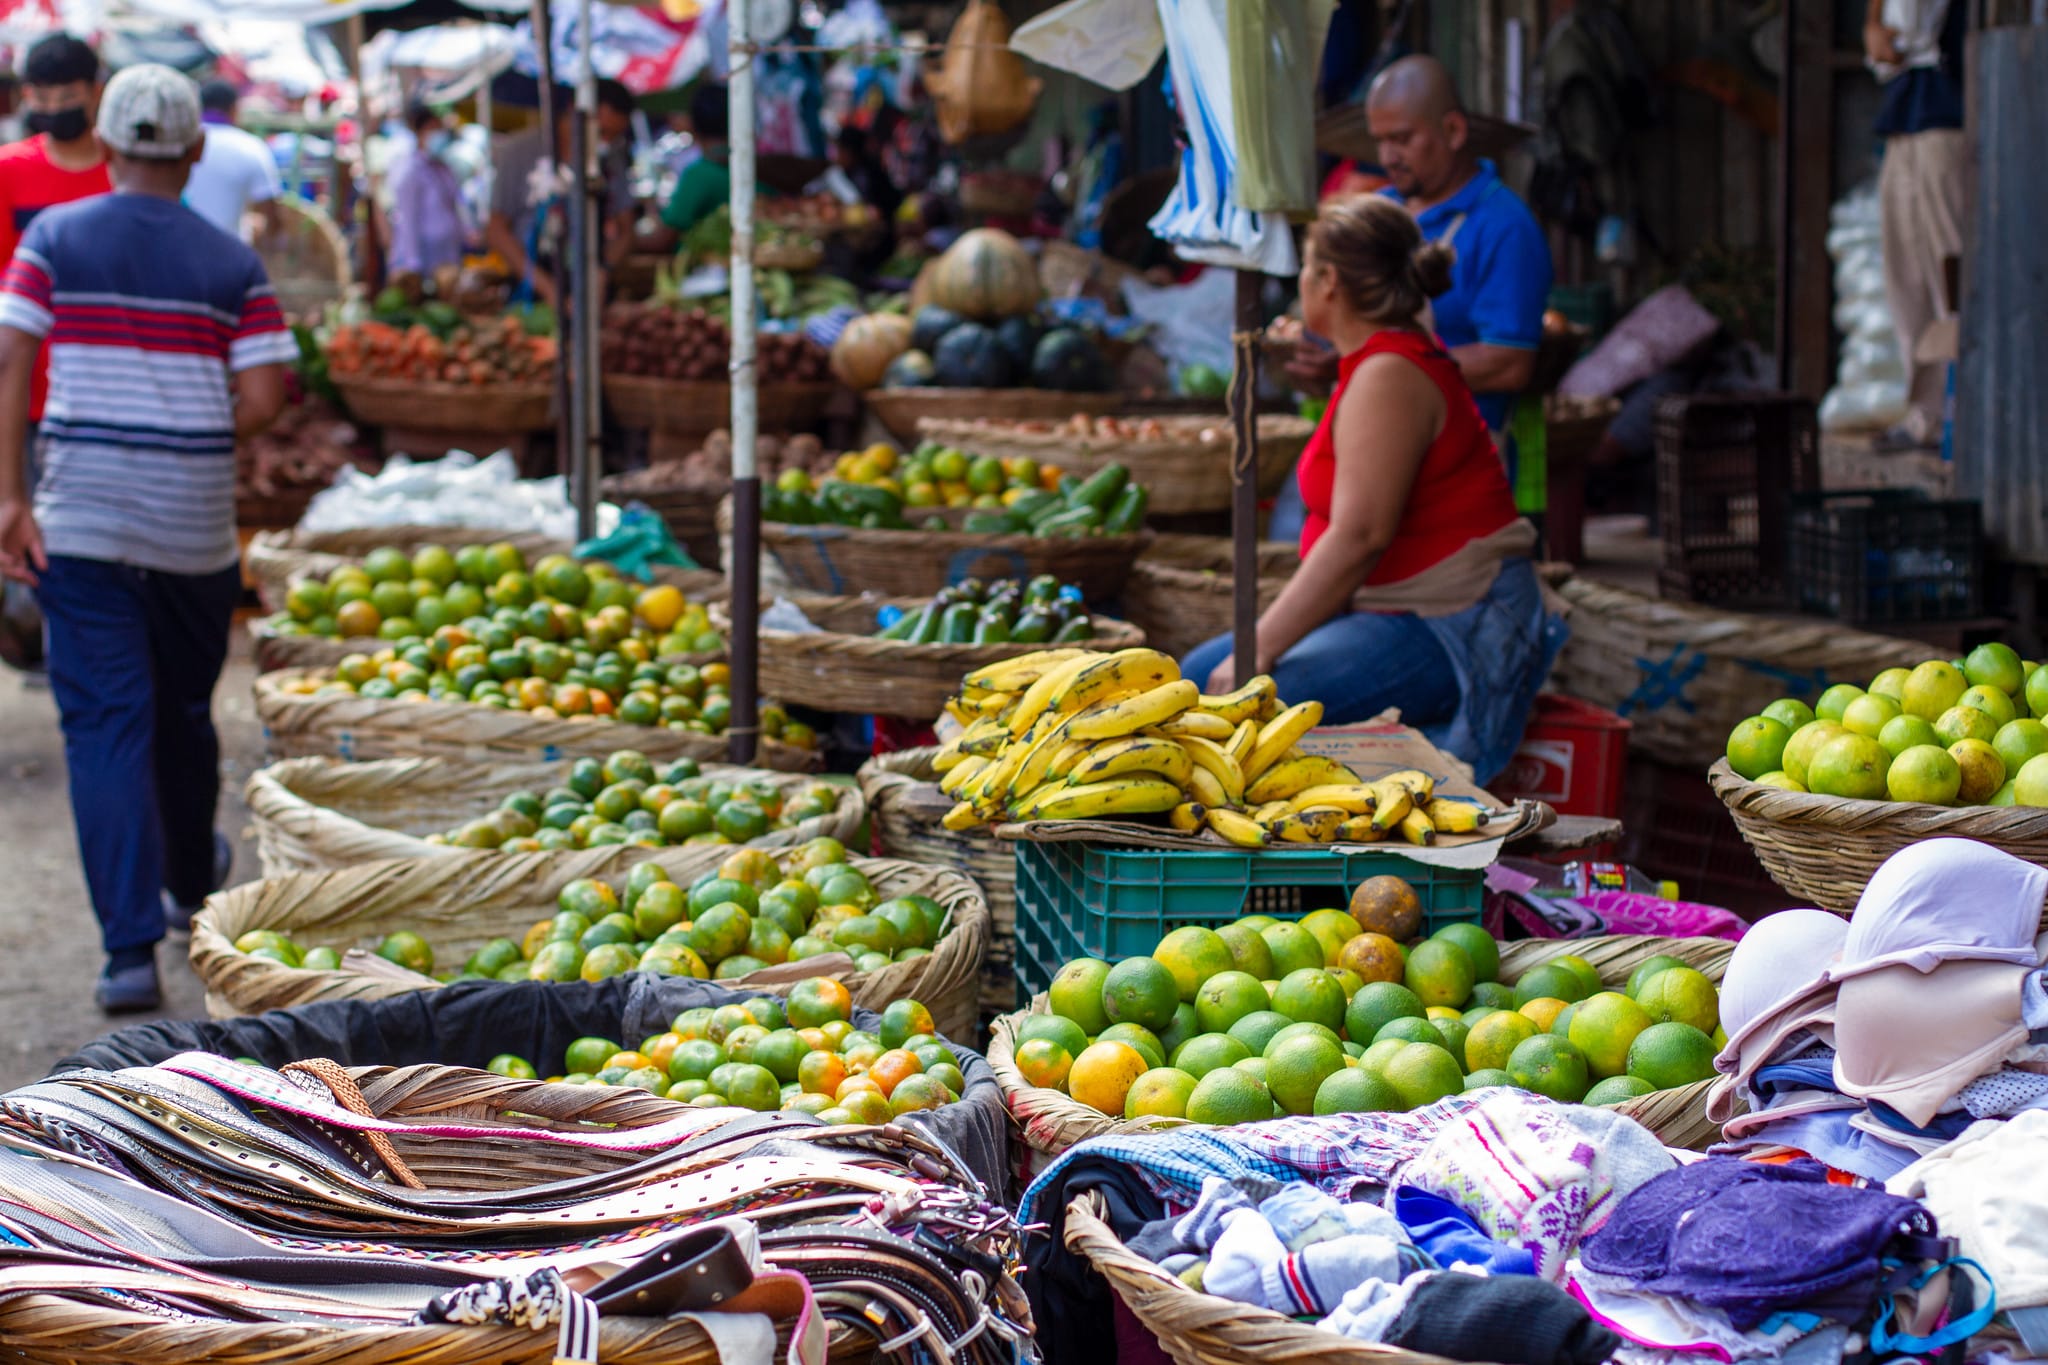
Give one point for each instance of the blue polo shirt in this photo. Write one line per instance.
(1501, 279)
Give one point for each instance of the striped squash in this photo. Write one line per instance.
(985, 275)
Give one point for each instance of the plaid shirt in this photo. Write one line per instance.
(1338, 1153)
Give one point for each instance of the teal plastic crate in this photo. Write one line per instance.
(1088, 900)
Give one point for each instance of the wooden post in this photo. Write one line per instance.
(1244, 477)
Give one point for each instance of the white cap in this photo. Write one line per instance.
(150, 111)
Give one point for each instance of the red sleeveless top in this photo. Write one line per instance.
(1461, 491)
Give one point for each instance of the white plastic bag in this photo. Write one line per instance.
(1870, 380)
(458, 490)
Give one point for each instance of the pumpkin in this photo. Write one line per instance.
(1019, 337)
(971, 358)
(1067, 360)
(985, 275)
(911, 370)
(866, 347)
(929, 325)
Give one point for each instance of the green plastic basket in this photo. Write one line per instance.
(1087, 900)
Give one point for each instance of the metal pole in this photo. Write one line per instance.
(1244, 478)
(746, 482)
(583, 272)
(1788, 181)
(565, 423)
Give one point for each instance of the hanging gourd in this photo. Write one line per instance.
(981, 87)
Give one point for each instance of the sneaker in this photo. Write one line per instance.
(128, 991)
(178, 918)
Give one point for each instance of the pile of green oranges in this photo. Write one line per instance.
(1962, 732)
(625, 799)
(753, 911)
(1261, 1017)
(801, 1055)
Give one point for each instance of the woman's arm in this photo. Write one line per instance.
(1389, 414)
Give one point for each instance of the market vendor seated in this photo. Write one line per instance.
(1416, 589)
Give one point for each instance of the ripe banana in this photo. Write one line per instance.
(1290, 777)
(1071, 752)
(1269, 707)
(961, 774)
(986, 738)
(1016, 674)
(1187, 817)
(1125, 715)
(1317, 825)
(1119, 796)
(1113, 675)
(995, 785)
(1416, 828)
(961, 817)
(1359, 829)
(1233, 827)
(1394, 801)
(1209, 755)
(1202, 785)
(1198, 724)
(1134, 754)
(1039, 695)
(1420, 784)
(1269, 812)
(1455, 817)
(1353, 798)
(1242, 741)
(1037, 762)
(994, 702)
(1277, 736)
(1242, 704)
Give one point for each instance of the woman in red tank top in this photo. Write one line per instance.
(1407, 503)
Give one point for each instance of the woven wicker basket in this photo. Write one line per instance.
(1180, 590)
(1202, 1329)
(275, 558)
(685, 407)
(1051, 1122)
(312, 814)
(46, 1328)
(343, 725)
(1684, 676)
(464, 408)
(1186, 470)
(840, 668)
(905, 805)
(459, 903)
(842, 561)
(1823, 849)
(901, 410)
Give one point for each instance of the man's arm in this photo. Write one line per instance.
(1512, 289)
(1880, 44)
(499, 237)
(1495, 369)
(21, 540)
(259, 398)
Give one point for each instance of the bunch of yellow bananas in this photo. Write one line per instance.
(1073, 734)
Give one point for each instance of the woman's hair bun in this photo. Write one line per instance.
(1433, 261)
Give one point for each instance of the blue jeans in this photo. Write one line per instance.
(1357, 665)
(134, 655)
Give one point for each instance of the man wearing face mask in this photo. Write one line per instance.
(428, 226)
(59, 161)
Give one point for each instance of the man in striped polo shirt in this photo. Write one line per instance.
(165, 344)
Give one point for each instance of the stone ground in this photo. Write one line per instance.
(49, 941)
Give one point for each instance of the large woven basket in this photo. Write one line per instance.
(1684, 676)
(1180, 591)
(1202, 1329)
(274, 558)
(345, 726)
(905, 805)
(1051, 1122)
(901, 410)
(460, 903)
(462, 408)
(1184, 469)
(840, 667)
(44, 1327)
(1823, 849)
(311, 814)
(685, 407)
(846, 561)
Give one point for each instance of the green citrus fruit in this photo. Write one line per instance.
(1076, 994)
(1440, 973)
(1140, 990)
(1422, 1073)
(1355, 1090)
(1550, 1065)
(1671, 1055)
(1229, 1095)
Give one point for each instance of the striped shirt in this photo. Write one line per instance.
(146, 309)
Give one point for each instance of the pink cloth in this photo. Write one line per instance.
(1630, 912)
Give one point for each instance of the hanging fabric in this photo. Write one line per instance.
(1273, 110)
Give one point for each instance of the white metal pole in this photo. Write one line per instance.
(746, 483)
(484, 116)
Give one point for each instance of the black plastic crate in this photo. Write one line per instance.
(1888, 556)
(1728, 466)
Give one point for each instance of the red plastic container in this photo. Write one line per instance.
(1574, 756)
